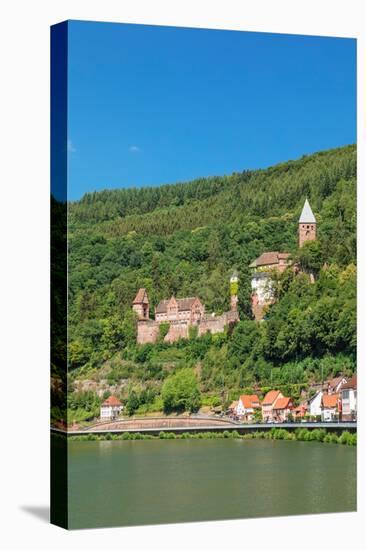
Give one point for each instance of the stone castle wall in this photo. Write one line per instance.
(213, 325)
(147, 332)
(176, 331)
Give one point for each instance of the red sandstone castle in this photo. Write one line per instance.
(262, 291)
(181, 314)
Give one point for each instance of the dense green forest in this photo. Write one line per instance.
(185, 239)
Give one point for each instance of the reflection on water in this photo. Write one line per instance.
(115, 483)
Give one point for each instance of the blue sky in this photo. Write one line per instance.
(151, 105)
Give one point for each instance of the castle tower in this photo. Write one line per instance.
(307, 225)
(234, 284)
(141, 305)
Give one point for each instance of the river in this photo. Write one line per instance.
(115, 483)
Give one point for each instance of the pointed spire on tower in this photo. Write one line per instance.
(307, 215)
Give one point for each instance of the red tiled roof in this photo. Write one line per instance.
(141, 297)
(112, 401)
(301, 407)
(329, 401)
(250, 401)
(184, 304)
(270, 397)
(351, 384)
(283, 403)
(300, 410)
(333, 382)
(269, 258)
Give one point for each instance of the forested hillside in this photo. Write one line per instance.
(185, 239)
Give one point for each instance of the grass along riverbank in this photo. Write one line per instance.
(300, 434)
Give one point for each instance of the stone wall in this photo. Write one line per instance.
(147, 332)
(217, 324)
(176, 331)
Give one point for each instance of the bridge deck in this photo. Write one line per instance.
(241, 428)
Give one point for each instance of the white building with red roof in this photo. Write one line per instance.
(110, 408)
(282, 408)
(348, 399)
(268, 404)
(246, 406)
(330, 407)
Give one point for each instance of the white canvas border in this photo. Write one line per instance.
(25, 266)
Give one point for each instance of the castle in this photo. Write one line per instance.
(262, 290)
(181, 314)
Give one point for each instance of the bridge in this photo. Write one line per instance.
(196, 427)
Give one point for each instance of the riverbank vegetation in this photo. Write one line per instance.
(186, 239)
(299, 434)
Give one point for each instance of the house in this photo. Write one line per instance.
(232, 408)
(282, 408)
(315, 404)
(330, 407)
(246, 406)
(110, 408)
(300, 412)
(348, 399)
(268, 404)
(334, 384)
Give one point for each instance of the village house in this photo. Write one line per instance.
(110, 408)
(268, 262)
(281, 409)
(330, 407)
(329, 387)
(181, 314)
(300, 412)
(268, 404)
(334, 384)
(315, 404)
(245, 407)
(348, 399)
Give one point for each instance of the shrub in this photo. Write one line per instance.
(345, 438)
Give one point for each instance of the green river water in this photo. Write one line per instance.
(114, 483)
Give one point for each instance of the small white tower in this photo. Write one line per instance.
(234, 284)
